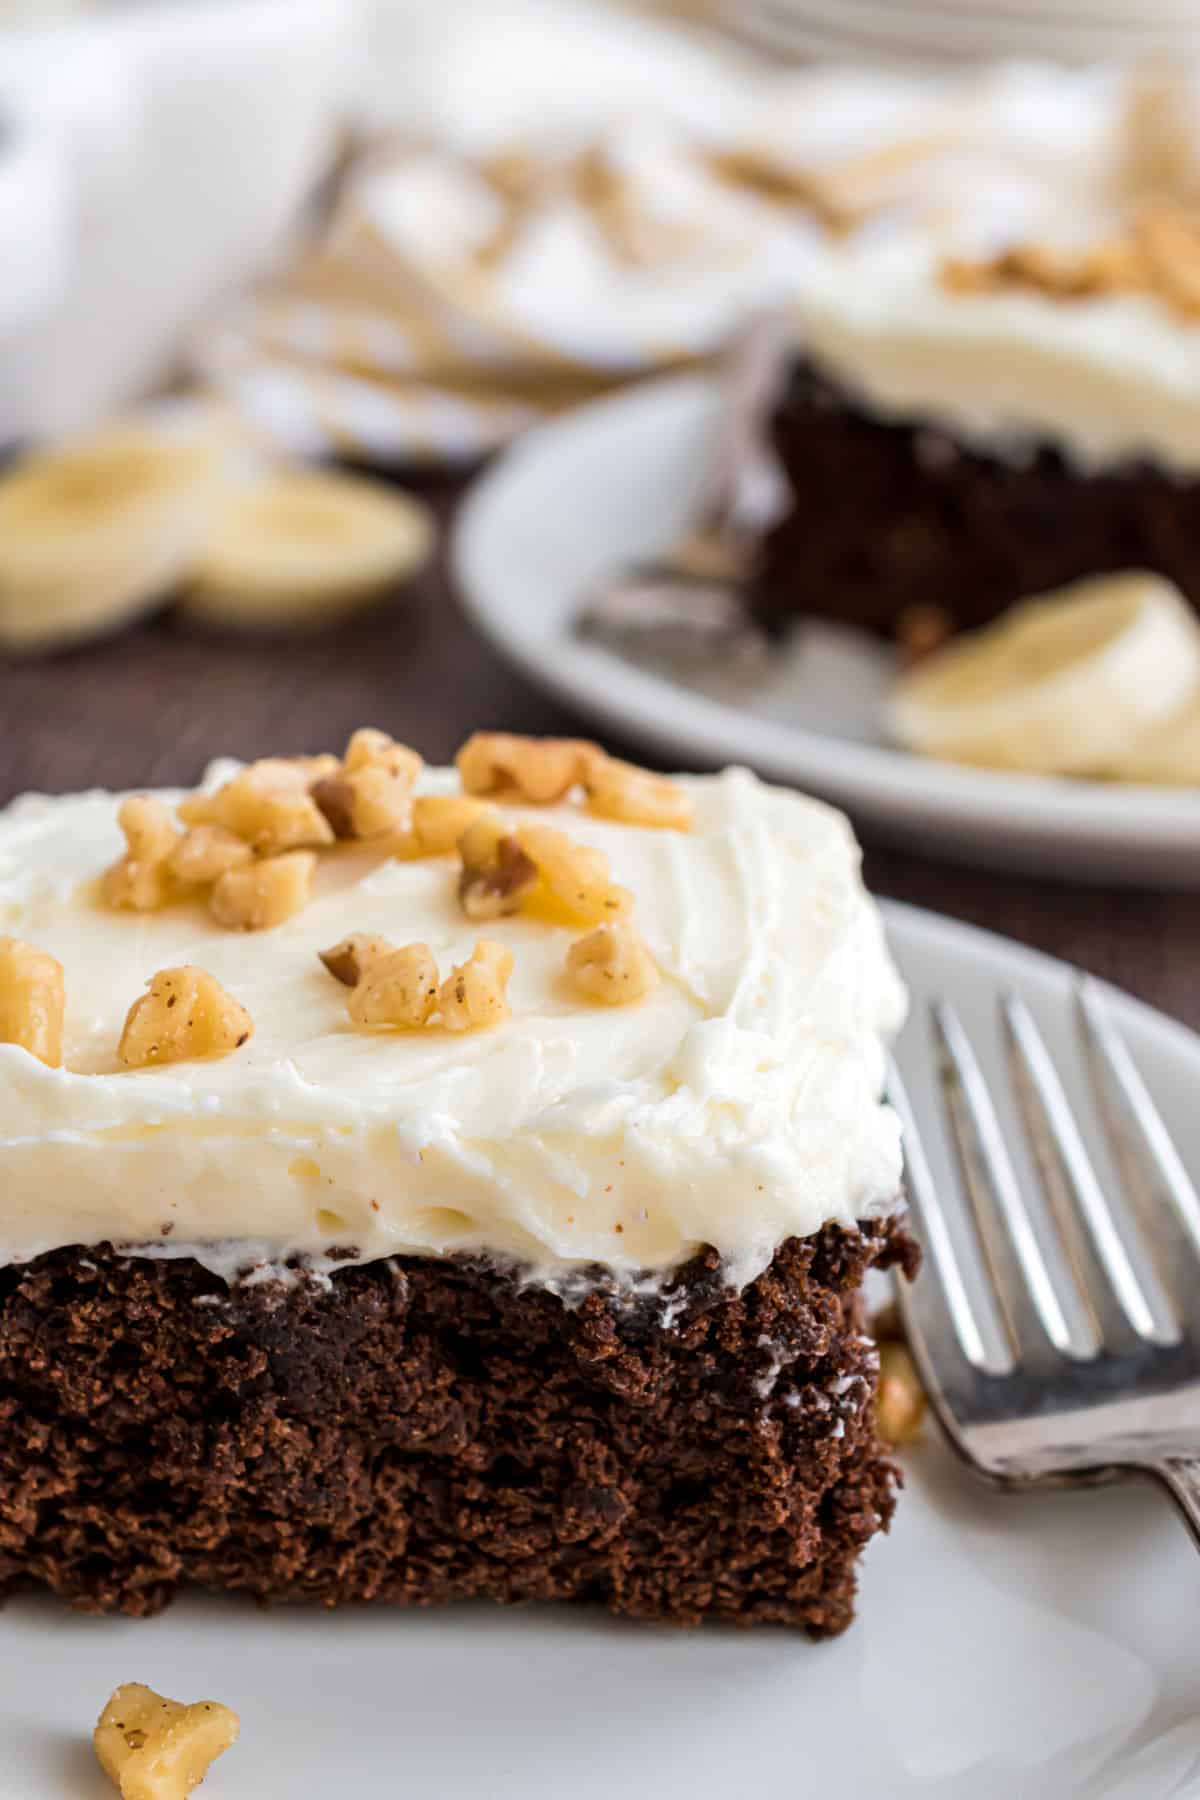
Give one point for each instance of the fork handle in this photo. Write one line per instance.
(1181, 1476)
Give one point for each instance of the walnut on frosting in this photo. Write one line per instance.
(541, 771)
(612, 965)
(347, 962)
(205, 853)
(401, 988)
(439, 821)
(538, 770)
(474, 995)
(152, 1748)
(32, 1000)
(268, 805)
(263, 894)
(185, 1014)
(621, 790)
(497, 874)
(398, 988)
(1158, 254)
(575, 882)
(140, 881)
(369, 795)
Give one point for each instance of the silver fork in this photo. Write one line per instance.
(1056, 1328)
(689, 600)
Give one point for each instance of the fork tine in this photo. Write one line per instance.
(1142, 1147)
(930, 1220)
(1029, 1303)
(1106, 1276)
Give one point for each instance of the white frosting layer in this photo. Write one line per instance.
(1104, 380)
(1021, 155)
(738, 1105)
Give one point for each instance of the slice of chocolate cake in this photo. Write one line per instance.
(418, 1185)
(893, 523)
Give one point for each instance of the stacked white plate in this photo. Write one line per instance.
(1079, 31)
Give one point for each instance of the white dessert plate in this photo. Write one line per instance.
(617, 481)
(1034, 1647)
(1084, 32)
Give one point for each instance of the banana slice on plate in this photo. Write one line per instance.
(1065, 684)
(95, 533)
(1166, 756)
(303, 547)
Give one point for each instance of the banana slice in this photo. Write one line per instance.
(1064, 684)
(301, 548)
(1166, 756)
(98, 532)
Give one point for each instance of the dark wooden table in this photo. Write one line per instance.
(154, 705)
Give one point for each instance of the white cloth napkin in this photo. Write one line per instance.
(153, 159)
(455, 300)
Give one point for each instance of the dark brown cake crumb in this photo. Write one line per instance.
(889, 517)
(420, 1431)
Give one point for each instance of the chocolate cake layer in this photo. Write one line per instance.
(421, 1430)
(889, 516)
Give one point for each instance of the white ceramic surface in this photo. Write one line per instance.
(616, 481)
(1041, 1648)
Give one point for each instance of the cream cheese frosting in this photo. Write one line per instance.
(736, 1106)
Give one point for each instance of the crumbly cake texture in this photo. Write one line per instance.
(421, 1430)
(892, 516)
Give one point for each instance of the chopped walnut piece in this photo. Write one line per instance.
(152, 1748)
(901, 1404)
(367, 804)
(205, 853)
(141, 881)
(303, 770)
(370, 794)
(268, 804)
(539, 770)
(334, 797)
(185, 1014)
(474, 995)
(1159, 254)
(372, 749)
(399, 989)
(621, 790)
(263, 894)
(612, 964)
(32, 1000)
(575, 884)
(439, 820)
(496, 873)
(348, 961)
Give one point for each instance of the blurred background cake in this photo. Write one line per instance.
(999, 383)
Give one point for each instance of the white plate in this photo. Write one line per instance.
(1040, 1648)
(618, 480)
(943, 32)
